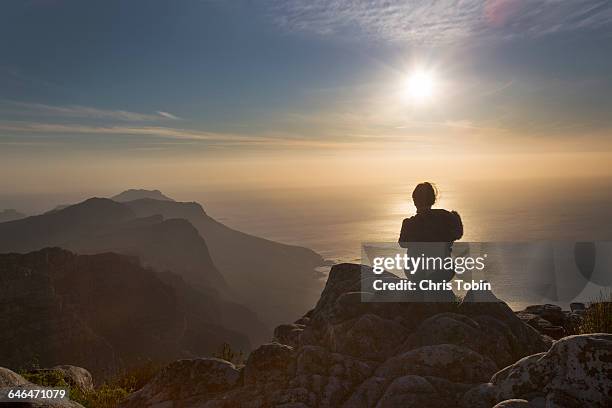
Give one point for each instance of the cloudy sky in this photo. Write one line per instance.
(192, 82)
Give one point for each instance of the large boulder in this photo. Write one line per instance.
(582, 369)
(270, 362)
(9, 378)
(461, 330)
(12, 380)
(480, 396)
(288, 334)
(331, 377)
(527, 375)
(186, 383)
(552, 313)
(501, 321)
(455, 363)
(553, 321)
(368, 336)
(410, 391)
(514, 403)
(574, 373)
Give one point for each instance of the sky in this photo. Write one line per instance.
(277, 92)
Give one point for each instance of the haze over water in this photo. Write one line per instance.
(334, 221)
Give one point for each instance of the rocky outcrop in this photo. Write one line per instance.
(348, 353)
(10, 380)
(552, 320)
(103, 312)
(575, 372)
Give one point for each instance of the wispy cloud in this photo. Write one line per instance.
(442, 21)
(168, 115)
(156, 131)
(168, 133)
(84, 112)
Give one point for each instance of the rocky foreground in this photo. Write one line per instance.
(75, 377)
(345, 353)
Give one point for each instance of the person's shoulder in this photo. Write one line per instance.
(445, 213)
(440, 211)
(409, 219)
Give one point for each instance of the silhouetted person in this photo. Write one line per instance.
(430, 226)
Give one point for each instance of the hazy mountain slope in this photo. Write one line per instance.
(58, 227)
(102, 225)
(99, 311)
(10, 215)
(165, 244)
(278, 281)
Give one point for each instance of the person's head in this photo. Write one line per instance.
(424, 195)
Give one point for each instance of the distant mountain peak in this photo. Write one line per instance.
(137, 194)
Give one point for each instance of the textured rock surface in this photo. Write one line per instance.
(514, 403)
(9, 378)
(269, 363)
(12, 380)
(455, 363)
(575, 372)
(345, 353)
(551, 320)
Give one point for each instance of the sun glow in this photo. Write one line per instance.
(419, 86)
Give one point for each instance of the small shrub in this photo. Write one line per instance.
(109, 394)
(46, 378)
(105, 396)
(136, 377)
(225, 352)
(598, 317)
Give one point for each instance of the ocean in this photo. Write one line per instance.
(335, 221)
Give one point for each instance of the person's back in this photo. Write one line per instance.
(432, 225)
(437, 229)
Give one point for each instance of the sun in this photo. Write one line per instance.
(419, 86)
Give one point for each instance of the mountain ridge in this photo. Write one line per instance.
(277, 280)
(64, 308)
(102, 225)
